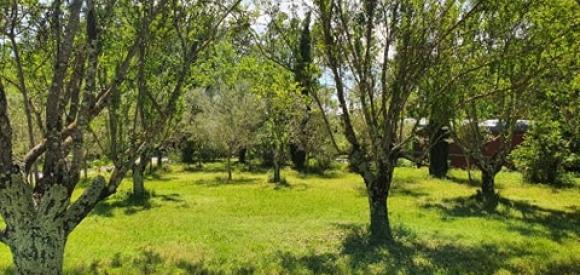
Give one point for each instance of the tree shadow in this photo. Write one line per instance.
(285, 185)
(325, 263)
(221, 181)
(410, 192)
(395, 191)
(321, 174)
(475, 182)
(410, 255)
(518, 215)
(151, 262)
(156, 176)
(132, 205)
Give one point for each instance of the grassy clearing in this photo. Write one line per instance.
(194, 222)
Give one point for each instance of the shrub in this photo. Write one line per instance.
(542, 155)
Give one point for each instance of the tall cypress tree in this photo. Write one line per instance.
(304, 77)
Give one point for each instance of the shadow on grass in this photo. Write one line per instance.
(475, 182)
(355, 255)
(410, 192)
(151, 262)
(220, 167)
(321, 174)
(222, 181)
(131, 204)
(156, 176)
(410, 255)
(399, 190)
(520, 216)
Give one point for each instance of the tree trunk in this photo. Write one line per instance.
(139, 177)
(138, 181)
(380, 228)
(489, 196)
(229, 167)
(36, 232)
(38, 250)
(438, 154)
(150, 160)
(277, 177)
(159, 159)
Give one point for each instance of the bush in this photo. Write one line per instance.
(543, 154)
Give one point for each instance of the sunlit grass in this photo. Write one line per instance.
(196, 222)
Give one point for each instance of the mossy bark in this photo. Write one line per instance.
(35, 229)
(39, 249)
(37, 226)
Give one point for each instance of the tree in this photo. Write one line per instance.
(513, 45)
(40, 217)
(552, 145)
(232, 115)
(282, 101)
(288, 42)
(378, 53)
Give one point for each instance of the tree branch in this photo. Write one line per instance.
(326, 122)
(83, 205)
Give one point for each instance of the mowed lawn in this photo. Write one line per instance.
(195, 223)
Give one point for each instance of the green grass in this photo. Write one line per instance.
(196, 223)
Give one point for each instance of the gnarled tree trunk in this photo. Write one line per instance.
(35, 231)
(489, 195)
(380, 227)
(139, 176)
(378, 193)
(39, 249)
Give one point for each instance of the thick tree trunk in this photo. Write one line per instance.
(277, 177)
(39, 249)
(36, 232)
(276, 158)
(380, 227)
(139, 176)
(489, 196)
(138, 181)
(438, 154)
